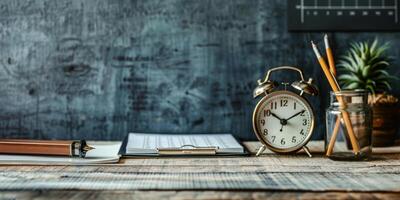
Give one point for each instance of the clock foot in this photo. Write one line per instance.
(260, 150)
(305, 148)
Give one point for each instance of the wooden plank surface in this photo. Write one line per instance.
(176, 195)
(239, 177)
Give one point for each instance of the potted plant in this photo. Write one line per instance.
(365, 66)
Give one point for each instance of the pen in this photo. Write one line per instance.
(45, 147)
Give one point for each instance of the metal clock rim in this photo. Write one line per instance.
(279, 150)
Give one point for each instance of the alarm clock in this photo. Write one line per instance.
(283, 120)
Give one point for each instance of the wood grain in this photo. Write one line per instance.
(269, 172)
(176, 195)
(117, 181)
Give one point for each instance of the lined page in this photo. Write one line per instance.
(145, 143)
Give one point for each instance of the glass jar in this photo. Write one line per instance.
(348, 126)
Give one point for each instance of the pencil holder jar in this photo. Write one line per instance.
(349, 126)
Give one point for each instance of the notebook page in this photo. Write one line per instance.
(145, 143)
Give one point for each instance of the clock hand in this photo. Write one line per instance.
(301, 112)
(282, 121)
(276, 116)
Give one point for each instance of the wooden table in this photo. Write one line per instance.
(385, 163)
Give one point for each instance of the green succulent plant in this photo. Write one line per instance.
(364, 66)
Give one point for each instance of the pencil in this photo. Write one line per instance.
(332, 69)
(329, 54)
(332, 81)
(335, 132)
(335, 87)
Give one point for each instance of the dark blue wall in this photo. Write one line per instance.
(99, 69)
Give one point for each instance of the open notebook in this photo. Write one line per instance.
(104, 152)
(147, 144)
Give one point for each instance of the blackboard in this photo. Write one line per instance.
(73, 69)
(343, 15)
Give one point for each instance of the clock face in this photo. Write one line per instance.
(283, 121)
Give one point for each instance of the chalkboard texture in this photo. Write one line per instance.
(72, 69)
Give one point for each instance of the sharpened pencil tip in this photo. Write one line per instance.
(326, 41)
(312, 43)
(315, 48)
